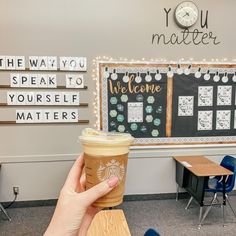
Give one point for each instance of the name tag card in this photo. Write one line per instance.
(47, 116)
(73, 63)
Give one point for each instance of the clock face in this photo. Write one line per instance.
(186, 14)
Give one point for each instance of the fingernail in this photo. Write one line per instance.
(112, 182)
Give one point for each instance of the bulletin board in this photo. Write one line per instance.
(169, 103)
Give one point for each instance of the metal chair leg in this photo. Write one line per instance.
(227, 199)
(207, 210)
(4, 212)
(189, 202)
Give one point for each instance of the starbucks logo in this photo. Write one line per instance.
(110, 169)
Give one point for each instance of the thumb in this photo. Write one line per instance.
(99, 190)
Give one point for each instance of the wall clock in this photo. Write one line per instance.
(186, 14)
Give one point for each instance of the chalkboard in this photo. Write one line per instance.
(169, 103)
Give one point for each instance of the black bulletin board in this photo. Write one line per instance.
(154, 108)
(169, 103)
(187, 126)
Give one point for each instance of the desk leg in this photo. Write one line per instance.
(177, 193)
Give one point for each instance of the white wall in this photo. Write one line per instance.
(37, 158)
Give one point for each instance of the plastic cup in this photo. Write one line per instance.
(106, 155)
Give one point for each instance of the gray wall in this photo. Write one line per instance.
(37, 157)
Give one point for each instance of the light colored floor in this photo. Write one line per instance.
(168, 216)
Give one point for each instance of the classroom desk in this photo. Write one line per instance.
(109, 222)
(192, 174)
(2, 208)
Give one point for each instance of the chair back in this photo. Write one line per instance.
(229, 163)
(151, 232)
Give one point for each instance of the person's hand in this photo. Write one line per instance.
(74, 211)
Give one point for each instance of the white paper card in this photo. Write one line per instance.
(135, 112)
(14, 80)
(205, 95)
(33, 63)
(42, 80)
(52, 81)
(20, 62)
(43, 63)
(21, 98)
(10, 62)
(205, 119)
(11, 98)
(74, 81)
(185, 163)
(224, 95)
(223, 119)
(52, 63)
(2, 63)
(185, 105)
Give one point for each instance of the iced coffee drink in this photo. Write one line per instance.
(106, 156)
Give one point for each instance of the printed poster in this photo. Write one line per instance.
(185, 105)
(205, 120)
(224, 95)
(135, 112)
(223, 119)
(205, 96)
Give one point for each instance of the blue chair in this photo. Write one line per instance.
(151, 232)
(215, 185)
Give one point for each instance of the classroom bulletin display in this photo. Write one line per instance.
(169, 103)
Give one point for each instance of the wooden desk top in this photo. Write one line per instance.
(109, 222)
(201, 166)
(193, 160)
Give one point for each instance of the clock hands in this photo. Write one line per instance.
(186, 14)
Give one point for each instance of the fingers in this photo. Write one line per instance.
(75, 173)
(81, 184)
(99, 190)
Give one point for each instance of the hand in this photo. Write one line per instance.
(74, 211)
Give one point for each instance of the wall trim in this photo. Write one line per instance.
(127, 198)
(136, 153)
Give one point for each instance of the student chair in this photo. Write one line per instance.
(151, 232)
(215, 185)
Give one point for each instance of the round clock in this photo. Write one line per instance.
(186, 14)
